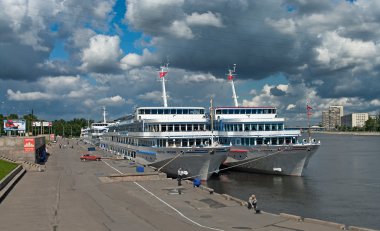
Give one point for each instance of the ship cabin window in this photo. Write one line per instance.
(267, 127)
(218, 112)
(274, 127)
(160, 111)
(173, 111)
(183, 127)
(179, 111)
(261, 127)
(154, 111)
(186, 111)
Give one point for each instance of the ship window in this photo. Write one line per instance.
(267, 127)
(274, 111)
(140, 111)
(254, 111)
(154, 111)
(261, 127)
(224, 111)
(147, 111)
(183, 127)
(217, 112)
(166, 111)
(201, 111)
(191, 111)
(160, 111)
(248, 111)
(173, 111)
(185, 111)
(265, 111)
(179, 111)
(176, 127)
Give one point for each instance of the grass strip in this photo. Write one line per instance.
(6, 167)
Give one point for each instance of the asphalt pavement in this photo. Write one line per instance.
(72, 195)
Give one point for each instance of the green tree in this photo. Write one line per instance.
(12, 117)
(370, 124)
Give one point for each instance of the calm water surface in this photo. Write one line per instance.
(341, 183)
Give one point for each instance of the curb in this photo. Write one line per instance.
(10, 181)
(327, 223)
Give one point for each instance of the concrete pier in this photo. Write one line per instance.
(111, 195)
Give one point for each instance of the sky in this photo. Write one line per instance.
(66, 59)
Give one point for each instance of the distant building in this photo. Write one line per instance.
(325, 120)
(355, 120)
(331, 119)
(340, 110)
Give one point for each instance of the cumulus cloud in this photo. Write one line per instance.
(116, 100)
(29, 96)
(199, 78)
(205, 19)
(153, 96)
(102, 55)
(133, 60)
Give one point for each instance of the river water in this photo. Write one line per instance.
(341, 183)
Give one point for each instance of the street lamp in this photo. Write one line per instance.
(71, 130)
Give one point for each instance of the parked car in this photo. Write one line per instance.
(86, 157)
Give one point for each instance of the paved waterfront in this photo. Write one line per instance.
(69, 195)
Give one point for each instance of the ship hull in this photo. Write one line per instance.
(199, 162)
(271, 159)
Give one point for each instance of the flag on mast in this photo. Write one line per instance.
(163, 73)
(308, 109)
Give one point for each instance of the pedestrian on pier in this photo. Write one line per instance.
(252, 202)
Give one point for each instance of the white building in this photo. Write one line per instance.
(354, 120)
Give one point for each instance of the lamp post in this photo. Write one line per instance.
(71, 130)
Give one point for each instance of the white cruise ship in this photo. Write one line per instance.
(168, 138)
(94, 133)
(260, 142)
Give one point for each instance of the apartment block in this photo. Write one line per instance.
(355, 120)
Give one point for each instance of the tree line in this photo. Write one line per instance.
(70, 128)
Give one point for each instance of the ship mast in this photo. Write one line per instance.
(104, 114)
(163, 72)
(231, 75)
(309, 113)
